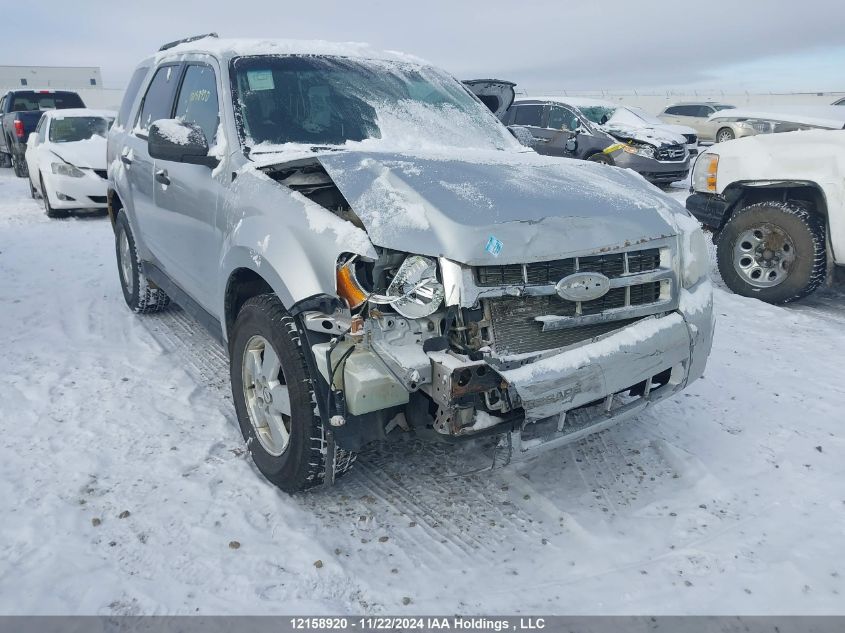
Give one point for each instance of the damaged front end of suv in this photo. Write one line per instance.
(513, 294)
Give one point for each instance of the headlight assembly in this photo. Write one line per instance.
(640, 150)
(704, 173)
(63, 169)
(696, 257)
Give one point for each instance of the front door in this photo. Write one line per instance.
(186, 195)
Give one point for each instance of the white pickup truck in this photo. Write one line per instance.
(776, 206)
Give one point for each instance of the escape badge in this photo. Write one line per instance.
(494, 246)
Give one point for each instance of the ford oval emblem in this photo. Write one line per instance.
(583, 286)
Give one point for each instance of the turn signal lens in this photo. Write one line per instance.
(349, 288)
(704, 175)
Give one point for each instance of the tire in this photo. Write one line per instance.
(601, 158)
(790, 257)
(32, 190)
(725, 134)
(5, 160)
(19, 166)
(295, 462)
(48, 209)
(139, 295)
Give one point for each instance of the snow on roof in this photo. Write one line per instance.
(823, 116)
(68, 113)
(228, 48)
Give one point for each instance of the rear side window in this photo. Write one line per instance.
(197, 102)
(704, 111)
(672, 110)
(130, 94)
(528, 115)
(158, 102)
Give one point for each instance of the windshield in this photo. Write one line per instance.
(72, 129)
(597, 113)
(644, 116)
(323, 100)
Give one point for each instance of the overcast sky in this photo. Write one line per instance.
(545, 45)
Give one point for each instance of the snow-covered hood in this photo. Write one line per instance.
(659, 136)
(676, 129)
(537, 208)
(90, 153)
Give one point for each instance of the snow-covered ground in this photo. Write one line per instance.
(124, 486)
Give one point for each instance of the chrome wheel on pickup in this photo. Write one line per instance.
(774, 251)
(266, 395)
(763, 255)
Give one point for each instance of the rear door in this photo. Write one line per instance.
(186, 195)
(531, 116)
(157, 104)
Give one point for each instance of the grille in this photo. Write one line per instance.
(516, 332)
(549, 273)
(672, 152)
(102, 173)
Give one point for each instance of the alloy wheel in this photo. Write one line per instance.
(266, 395)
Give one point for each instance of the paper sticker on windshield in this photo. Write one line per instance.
(494, 246)
(260, 79)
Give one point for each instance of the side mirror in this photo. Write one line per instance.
(32, 139)
(180, 142)
(522, 135)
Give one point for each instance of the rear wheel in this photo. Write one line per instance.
(139, 295)
(772, 251)
(5, 160)
(48, 209)
(19, 165)
(275, 400)
(725, 134)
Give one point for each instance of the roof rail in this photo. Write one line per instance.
(193, 38)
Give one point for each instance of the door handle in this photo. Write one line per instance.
(161, 176)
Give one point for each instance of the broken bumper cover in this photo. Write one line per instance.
(589, 388)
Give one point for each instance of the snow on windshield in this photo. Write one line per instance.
(286, 101)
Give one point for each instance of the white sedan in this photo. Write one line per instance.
(66, 157)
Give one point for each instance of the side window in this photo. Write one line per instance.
(130, 94)
(197, 102)
(158, 102)
(705, 111)
(674, 110)
(528, 115)
(562, 118)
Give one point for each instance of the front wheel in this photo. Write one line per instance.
(139, 295)
(601, 158)
(773, 251)
(48, 208)
(275, 400)
(725, 134)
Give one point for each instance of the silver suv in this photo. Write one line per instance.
(381, 257)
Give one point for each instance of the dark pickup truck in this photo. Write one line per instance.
(20, 111)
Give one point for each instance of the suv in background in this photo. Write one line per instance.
(572, 130)
(366, 288)
(696, 115)
(20, 111)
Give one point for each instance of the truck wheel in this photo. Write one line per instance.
(275, 400)
(19, 166)
(725, 134)
(48, 209)
(773, 251)
(139, 295)
(602, 158)
(5, 160)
